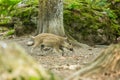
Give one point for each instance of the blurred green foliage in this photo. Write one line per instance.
(6, 6)
(10, 32)
(25, 11)
(86, 17)
(22, 9)
(83, 17)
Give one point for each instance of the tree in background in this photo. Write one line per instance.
(50, 17)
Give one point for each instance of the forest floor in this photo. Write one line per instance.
(63, 66)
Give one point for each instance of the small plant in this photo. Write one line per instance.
(10, 32)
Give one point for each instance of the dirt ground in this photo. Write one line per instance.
(63, 66)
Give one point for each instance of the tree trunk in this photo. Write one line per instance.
(51, 17)
(105, 67)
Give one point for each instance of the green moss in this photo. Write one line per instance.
(10, 32)
(86, 17)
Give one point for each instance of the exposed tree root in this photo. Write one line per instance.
(106, 64)
(75, 42)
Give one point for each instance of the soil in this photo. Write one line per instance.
(63, 66)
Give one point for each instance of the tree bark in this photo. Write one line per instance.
(51, 17)
(105, 67)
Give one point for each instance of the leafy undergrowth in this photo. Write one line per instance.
(88, 20)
